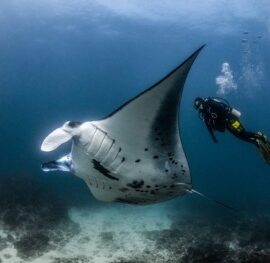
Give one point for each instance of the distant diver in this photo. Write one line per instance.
(218, 115)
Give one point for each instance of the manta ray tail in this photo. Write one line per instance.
(213, 200)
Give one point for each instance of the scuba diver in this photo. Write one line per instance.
(219, 116)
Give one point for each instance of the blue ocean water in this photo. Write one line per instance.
(80, 60)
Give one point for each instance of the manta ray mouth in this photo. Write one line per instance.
(63, 164)
(50, 166)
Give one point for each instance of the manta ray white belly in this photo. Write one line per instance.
(115, 174)
(134, 155)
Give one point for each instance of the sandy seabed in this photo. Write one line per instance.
(127, 234)
(36, 228)
(100, 235)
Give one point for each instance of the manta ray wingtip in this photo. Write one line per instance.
(202, 46)
(198, 50)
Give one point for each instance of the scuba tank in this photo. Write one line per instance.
(233, 111)
(236, 113)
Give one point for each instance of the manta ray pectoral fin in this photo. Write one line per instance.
(63, 164)
(55, 139)
(149, 123)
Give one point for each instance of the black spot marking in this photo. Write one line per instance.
(120, 149)
(135, 184)
(166, 170)
(172, 186)
(123, 189)
(74, 124)
(103, 170)
(148, 186)
(169, 154)
(123, 159)
(170, 158)
(156, 157)
(152, 192)
(110, 188)
(146, 149)
(174, 176)
(182, 165)
(138, 160)
(126, 201)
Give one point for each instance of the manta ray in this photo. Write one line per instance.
(134, 155)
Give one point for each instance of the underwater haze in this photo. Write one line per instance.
(79, 60)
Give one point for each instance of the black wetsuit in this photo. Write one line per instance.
(218, 116)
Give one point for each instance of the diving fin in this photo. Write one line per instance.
(213, 200)
(263, 144)
(264, 149)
